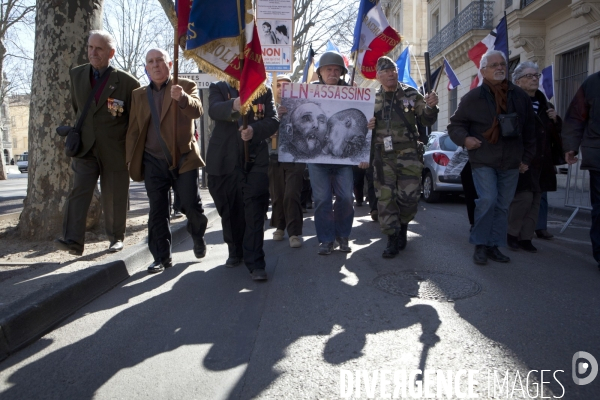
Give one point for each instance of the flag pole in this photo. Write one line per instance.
(174, 103)
(427, 72)
(241, 59)
(354, 68)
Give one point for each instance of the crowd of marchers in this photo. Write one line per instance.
(513, 136)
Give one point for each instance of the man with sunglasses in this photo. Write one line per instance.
(496, 123)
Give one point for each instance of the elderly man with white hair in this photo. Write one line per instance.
(153, 158)
(101, 100)
(496, 123)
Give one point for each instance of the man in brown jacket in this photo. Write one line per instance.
(150, 154)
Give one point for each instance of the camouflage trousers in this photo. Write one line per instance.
(397, 179)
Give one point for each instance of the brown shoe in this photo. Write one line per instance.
(544, 234)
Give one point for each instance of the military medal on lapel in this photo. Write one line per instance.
(115, 107)
(255, 109)
(405, 103)
(261, 111)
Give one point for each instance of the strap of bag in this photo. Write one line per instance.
(98, 85)
(156, 122)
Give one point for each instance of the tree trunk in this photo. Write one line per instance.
(61, 31)
(3, 175)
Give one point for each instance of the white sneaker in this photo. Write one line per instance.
(295, 241)
(278, 235)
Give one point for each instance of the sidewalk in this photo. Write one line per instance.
(556, 202)
(33, 302)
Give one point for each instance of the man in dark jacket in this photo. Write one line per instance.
(102, 152)
(541, 176)
(240, 192)
(582, 128)
(495, 122)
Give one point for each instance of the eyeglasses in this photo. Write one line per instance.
(529, 76)
(496, 65)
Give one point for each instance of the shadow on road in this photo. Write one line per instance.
(243, 321)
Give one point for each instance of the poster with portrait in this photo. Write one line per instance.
(276, 44)
(276, 29)
(325, 123)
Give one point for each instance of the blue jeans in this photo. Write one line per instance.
(332, 220)
(542, 223)
(495, 191)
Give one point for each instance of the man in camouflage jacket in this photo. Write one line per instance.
(396, 160)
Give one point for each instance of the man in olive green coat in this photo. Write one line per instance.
(102, 152)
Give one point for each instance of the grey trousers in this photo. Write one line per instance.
(285, 186)
(523, 214)
(114, 186)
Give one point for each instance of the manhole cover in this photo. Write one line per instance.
(428, 285)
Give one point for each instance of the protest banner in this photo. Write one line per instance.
(325, 123)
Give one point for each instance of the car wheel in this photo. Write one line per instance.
(430, 195)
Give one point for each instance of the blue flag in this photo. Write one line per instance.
(547, 82)
(309, 67)
(403, 64)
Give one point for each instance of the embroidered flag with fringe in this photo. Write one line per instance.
(214, 39)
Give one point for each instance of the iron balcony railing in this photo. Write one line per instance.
(477, 15)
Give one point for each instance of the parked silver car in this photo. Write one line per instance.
(438, 151)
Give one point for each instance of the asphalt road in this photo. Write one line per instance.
(12, 192)
(203, 331)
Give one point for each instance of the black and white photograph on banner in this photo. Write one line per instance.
(325, 124)
(275, 31)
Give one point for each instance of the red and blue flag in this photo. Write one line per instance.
(373, 37)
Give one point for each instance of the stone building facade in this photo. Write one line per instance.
(19, 123)
(565, 33)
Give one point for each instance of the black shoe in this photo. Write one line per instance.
(233, 261)
(402, 236)
(200, 248)
(544, 234)
(494, 254)
(480, 256)
(527, 246)
(343, 243)
(391, 249)
(512, 242)
(259, 274)
(159, 266)
(116, 246)
(69, 245)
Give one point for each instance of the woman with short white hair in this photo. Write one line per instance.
(540, 178)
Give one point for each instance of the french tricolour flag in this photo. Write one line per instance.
(496, 40)
(373, 37)
(547, 82)
(452, 78)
